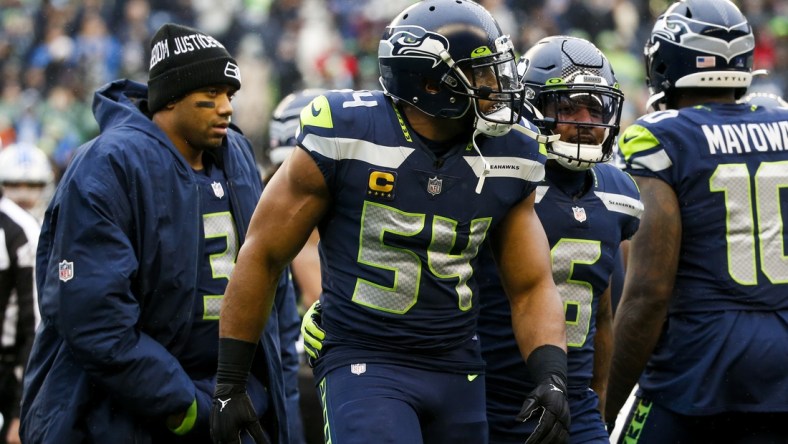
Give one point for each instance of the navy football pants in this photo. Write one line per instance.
(390, 404)
(649, 423)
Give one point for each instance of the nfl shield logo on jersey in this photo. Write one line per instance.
(66, 270)
(358, 369)
(580, 213)
(434, 185)
(217, 189)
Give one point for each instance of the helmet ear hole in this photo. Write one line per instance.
(661, 68)
(431, 87)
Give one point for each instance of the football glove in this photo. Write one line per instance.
(549, 397)
(312, 333)
(233, 414)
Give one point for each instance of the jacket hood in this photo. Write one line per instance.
(118, 104)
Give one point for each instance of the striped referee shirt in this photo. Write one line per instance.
(18, 307)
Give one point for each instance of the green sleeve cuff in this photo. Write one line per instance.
(188, 420)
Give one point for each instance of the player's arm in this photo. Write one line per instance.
(651, 270)
(624, 251)
(292, 204)
(523, 257)
(603, 347)
(290, 207)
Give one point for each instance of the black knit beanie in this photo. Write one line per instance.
(184, 59)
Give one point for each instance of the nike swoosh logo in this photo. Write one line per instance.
(472, 377)
(315, 111)
(628, 139)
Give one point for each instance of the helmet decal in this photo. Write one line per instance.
(593, 80)
(481, 51)
(414, 41)
(694, 35)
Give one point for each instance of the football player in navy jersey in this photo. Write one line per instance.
(703, 322)
(405, 185)
(587, 207)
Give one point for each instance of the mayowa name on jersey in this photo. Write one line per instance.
(747, 138)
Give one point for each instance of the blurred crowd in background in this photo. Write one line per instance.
(55, 53)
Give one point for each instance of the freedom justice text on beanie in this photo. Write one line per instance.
(184, 59)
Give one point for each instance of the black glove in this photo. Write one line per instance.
(550, 398)
(232, 414)
(312, 333)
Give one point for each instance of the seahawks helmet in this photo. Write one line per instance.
(564, 75)
(457, 48)
(699, 44)
(284, 123)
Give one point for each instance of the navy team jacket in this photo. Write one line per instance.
(123, 229)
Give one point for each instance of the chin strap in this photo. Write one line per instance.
(487, 169)
(653, 101)
(541, 138)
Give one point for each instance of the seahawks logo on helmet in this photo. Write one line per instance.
(671, 30)
(414, 41)
(696, 35)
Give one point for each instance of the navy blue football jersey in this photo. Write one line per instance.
(399, 245)
(216, 262)
(584, 234)
(723, 347)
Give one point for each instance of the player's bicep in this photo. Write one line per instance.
(292, 204)
(521, 249)
(654, 249)
(523, 257)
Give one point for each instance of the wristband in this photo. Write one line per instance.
(544, 361)
(188, 421)
(235, 361)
